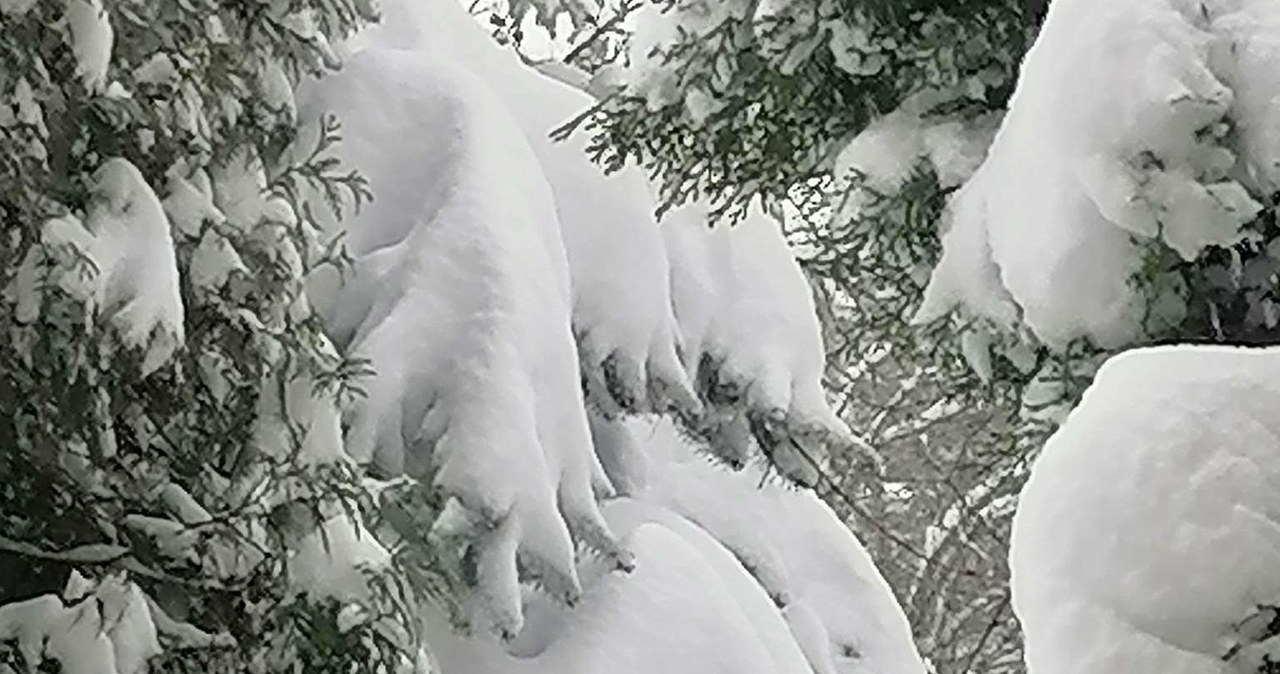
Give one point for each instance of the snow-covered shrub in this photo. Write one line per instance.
(498, 277)
(750, 336)
(1146, 538)
(204, 358)
(732, 99)
(1127, 199)
(459, 298)
(621, 306)
(724, 101)
(175, 486)
(731, 577)
(1151, 220)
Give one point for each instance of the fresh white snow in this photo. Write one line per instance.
(1115, 136)
(102, 627)
(90, 38)
(747, 321)
(119, 260)
(731, 577)
(1148, 529)
(621, 305)
(460, 298)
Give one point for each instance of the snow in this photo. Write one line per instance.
(15, 8)
(133, 280)
(277, 91)
(749, 328)
(91, 39)
(886, 152)
(730, 577)
(133, 251)
(21, 107)
(1115, 137)
(884, 155)
(296, 408)
(460, 298)
(238, 187)
(671, 615)
(189, 207)
(102, 627)
(160, 69)
(1248, 53)
(656, 32)
(213, 262)
(621, 305)
(497, 272)
(332, 560)
(1148, 528)
(795, 547)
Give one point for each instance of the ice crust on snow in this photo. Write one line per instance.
(1148, 529)
(1115, 137)
(730, 577)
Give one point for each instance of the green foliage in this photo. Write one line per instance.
(787, 89)
(178, 471)
(744, 105)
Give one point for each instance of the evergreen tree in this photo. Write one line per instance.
(175, 487)
(864, 120)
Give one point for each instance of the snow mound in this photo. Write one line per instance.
(1117, 138)
(751, 334)
(730, 578)
(1148, 531)
(459, 298)
(621, 303)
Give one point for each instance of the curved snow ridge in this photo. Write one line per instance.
(1150, 527)
(1117, 136)
(730, 578)
(459, 297)
(750, 332)
(622, 316)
